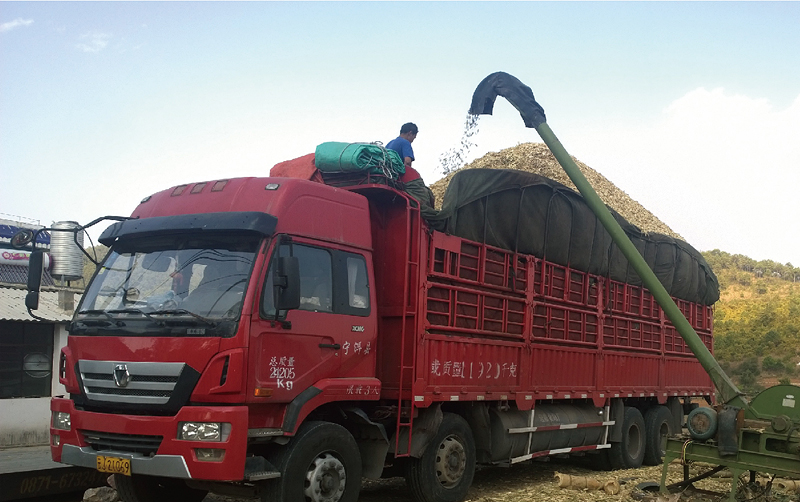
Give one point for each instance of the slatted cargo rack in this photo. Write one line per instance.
(478, 289)
(538, 327)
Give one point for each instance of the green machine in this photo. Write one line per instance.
(757, 436)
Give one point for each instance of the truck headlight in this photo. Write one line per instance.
(204, 431)
(61, 421)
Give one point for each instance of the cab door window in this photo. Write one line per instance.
(350, 272)
(330, 281)
(316, 279)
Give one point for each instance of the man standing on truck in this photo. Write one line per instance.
(402, 144)
(411, 180)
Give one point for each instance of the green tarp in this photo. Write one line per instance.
(335, 157)
(531, 214)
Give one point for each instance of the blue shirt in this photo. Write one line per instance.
(402, 146)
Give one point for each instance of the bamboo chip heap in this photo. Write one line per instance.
(536, 158)
(611, 486)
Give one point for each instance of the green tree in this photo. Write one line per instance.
(772, 365)
(748, 366)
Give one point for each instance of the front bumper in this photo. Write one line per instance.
(173, 457)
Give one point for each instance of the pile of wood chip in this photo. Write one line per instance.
(536, 158)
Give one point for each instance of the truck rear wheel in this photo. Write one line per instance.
(154, 489)
(657, 424)
(445, 470)
(629, 453)
(321, 463)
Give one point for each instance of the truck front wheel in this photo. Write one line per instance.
(321, 463)
(444, 471)
(154, 489)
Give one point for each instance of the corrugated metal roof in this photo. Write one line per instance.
(14, 274)
(12, 306)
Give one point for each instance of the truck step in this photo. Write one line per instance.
(258, 476)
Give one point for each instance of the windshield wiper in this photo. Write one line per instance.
(96, 312)
(111, 319)
(184, 311)
(137, 311)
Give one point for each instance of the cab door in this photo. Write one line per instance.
(331, 335)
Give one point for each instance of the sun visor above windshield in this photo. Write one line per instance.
(249, 221)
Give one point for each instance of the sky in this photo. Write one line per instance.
(692, 108)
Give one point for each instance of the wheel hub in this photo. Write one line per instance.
(326, 478)
(451, 462)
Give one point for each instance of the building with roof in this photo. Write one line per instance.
(29, 345)
(29, 356)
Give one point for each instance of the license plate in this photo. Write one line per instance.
(114, 465)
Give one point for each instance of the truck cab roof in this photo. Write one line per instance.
(301, 207)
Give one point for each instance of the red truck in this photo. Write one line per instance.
(284, 338)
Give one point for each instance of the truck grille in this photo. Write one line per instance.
(141, 383)
(134, 443)
(134, 378)
(127, 392)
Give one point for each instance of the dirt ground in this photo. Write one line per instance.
(535, 481)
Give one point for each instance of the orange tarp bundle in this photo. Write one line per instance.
(301, 167)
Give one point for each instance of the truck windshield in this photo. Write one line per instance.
(173, 286)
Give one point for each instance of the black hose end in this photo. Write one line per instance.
(518, 94)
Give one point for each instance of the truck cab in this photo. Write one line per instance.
(223, 313)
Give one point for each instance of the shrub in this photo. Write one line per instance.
(772, 365)
(748, 366)
(747, 378)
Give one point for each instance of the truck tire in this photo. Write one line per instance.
(445, 470)
(321, 463)
(657, 424)
(154, 489)
(629, 453)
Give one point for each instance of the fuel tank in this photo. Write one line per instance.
(506, 446)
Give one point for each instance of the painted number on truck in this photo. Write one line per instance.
(483, 370)
(282, 370)
(364, 390)
(285, 373)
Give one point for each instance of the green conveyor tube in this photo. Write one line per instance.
(521, 97)
(729, 393)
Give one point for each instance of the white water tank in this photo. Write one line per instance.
(67, 256)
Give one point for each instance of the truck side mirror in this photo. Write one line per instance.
(32, 300)
(287, 283)
(35, 266)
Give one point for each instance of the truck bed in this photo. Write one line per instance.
(473, 322)
(496, 325)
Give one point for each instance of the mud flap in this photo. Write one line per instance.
(373, 443)
(676, 410)
(425, 427)
(618, 416)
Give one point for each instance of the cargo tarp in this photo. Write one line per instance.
(531, 214)
(335, 157)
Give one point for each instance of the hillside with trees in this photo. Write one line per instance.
(757, 320)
